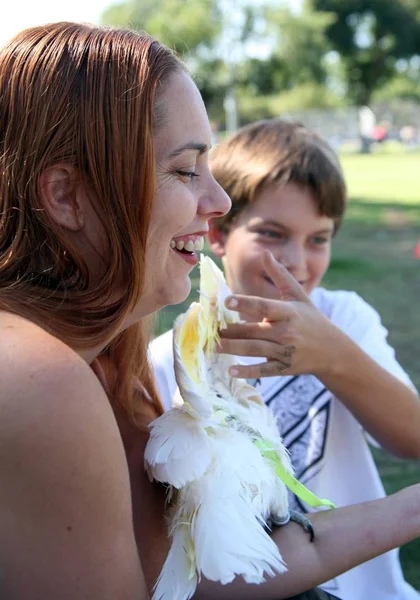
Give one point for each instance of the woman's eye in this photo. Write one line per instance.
(189, 175)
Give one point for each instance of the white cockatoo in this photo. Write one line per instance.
(219, 451)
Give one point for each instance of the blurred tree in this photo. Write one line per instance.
(295, 74)
(265, 76)
(300, 98)
(266, 55)
(404, 86)
(300, 43)
(297, 51)
(371, 37)
(210, 35)
(187, 27)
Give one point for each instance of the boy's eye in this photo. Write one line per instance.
(318, 240)
(189, 175)
(270, 234)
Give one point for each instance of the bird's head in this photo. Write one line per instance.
(214, 315)
(196, 332)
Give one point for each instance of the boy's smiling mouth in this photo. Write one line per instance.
(268, 279)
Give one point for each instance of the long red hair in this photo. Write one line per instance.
(86, 96)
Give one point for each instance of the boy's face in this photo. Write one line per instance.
(284, 220)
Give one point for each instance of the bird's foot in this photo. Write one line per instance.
(297, 517)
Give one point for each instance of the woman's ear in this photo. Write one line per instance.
(216, 239)
(58, 190)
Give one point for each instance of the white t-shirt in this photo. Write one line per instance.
(328, 445)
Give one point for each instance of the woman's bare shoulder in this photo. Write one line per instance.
(48, 393)
(35, 365)
(64, 477)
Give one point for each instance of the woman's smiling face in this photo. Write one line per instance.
(187, 196)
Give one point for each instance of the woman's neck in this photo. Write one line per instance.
(89, 354)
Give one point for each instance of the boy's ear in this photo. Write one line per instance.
(60, 196)
(216, 239)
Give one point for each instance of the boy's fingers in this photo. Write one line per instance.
(271, 368)
(244, 347)
(248, 331)
(259, 308)
(289, 288)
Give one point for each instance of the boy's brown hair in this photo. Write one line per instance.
(280, 152)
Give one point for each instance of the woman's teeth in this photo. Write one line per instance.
(197, 245)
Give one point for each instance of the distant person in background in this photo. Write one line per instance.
(408, 136)
(331, 377)
(379, 134)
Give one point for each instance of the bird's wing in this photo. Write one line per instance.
(178, 450)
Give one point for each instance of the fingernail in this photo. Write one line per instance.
(233, 372)
(231, 302)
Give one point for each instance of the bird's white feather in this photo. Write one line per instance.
(221, 556)
(179, 449)
(178, 578)
(227, 489)
(226, 508)
(213, 293)
(193, 383)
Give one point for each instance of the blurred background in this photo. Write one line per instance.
(350, 69)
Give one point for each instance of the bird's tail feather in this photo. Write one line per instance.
(229, 541)
(178, 578)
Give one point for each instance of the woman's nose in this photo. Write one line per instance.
(215, 203)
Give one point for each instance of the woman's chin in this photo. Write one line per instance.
(179, 292)
(173, 293)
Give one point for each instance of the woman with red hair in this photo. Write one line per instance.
(105, 196)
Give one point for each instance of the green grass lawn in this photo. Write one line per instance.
(373, 254)
(382, 177)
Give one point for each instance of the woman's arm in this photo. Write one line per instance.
(65, 505)
(344, 538)
(296, 338)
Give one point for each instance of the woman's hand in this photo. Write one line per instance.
(290, 332)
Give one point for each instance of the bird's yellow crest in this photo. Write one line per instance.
(189, 341)
(199, 328)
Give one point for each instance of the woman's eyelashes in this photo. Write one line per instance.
(186, 175)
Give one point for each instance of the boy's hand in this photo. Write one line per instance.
(290, 332)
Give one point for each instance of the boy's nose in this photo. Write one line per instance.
(293, 258)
